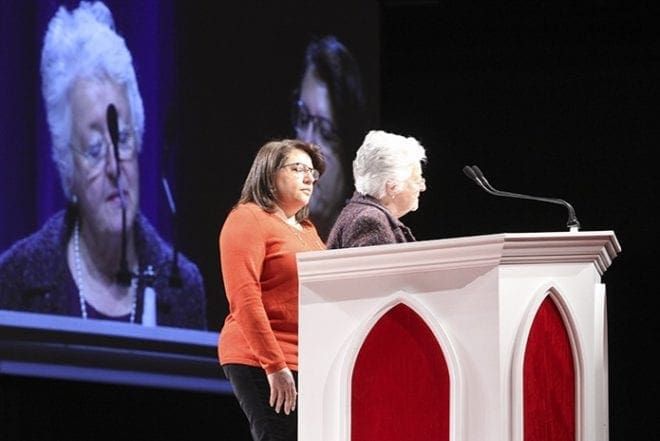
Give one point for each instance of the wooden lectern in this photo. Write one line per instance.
(494, 337)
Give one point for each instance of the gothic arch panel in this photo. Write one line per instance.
(549, 384)
(400, 387)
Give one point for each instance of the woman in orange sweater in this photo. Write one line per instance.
(258, 343)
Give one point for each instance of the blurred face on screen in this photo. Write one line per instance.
(95, 182)
(315, 123)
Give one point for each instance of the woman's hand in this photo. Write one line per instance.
(282, 391)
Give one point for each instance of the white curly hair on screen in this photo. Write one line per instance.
(385, 157)
(83, 44)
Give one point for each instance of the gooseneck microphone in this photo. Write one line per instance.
(474, 173)
(124, 276)
(174, 280)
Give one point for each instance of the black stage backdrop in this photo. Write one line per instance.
(547, 101)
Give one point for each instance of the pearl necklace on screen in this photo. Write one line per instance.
(79, 277)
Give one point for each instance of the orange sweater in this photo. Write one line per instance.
(259, 271)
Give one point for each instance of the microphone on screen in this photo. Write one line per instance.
(124, 276)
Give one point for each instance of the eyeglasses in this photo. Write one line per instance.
(302, 118)
(302, 169)
(95, 152)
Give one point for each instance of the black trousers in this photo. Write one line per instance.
(250, 386)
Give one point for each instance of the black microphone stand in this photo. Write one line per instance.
(477, 176)
(124, 275)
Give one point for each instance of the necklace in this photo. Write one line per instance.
(297, 229)
(79, 277)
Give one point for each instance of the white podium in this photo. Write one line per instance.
(479, 298)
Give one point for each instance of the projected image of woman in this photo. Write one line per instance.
(330, 110)
(70, 266)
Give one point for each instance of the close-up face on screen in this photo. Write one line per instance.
(137, 140)
(135, 126)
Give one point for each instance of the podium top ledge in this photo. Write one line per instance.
(599, 247)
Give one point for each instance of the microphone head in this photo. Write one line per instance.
(478, 172)
(469, 172)
(113, 124)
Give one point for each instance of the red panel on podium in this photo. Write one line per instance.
(548, 378)
(400, 385)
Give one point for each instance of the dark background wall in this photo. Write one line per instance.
(549, 101)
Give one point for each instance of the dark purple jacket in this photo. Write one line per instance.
(35, 277)
(364, 221)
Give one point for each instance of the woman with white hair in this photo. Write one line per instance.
(86, 259)
(388, 180)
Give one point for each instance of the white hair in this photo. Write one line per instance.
(385, 157)
(83, 44)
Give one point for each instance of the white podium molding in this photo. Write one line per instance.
(479, 296)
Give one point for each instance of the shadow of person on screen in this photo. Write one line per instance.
(329, 109)
(96, 120)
